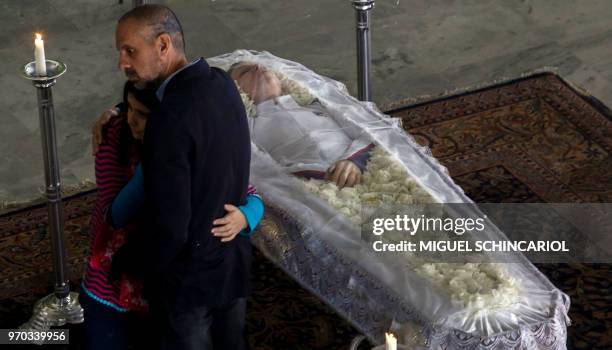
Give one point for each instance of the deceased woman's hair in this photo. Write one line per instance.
(258, 81)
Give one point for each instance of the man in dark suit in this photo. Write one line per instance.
(196, 155)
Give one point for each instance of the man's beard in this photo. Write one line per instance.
(143, 84)
(138, 82)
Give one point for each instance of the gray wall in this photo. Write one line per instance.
(419, 48)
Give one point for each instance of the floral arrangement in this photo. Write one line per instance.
(300, 94)
(473, 285)
(386, 181)
(249, 105)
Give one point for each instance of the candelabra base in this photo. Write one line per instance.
(52, 311)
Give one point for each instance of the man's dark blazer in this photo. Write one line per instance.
(196, 156)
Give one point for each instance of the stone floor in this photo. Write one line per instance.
(418, 48)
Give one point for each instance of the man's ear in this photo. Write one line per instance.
(164, 42)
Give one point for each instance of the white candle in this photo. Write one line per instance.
(39, 56)
(390, 342)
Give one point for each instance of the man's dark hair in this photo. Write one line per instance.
(161, 20)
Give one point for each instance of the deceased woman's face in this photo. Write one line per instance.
(257, 81)
(137, 116)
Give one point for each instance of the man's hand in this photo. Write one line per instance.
(344, 173)
(96, 129)
(230, 225)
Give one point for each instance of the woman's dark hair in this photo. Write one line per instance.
(127, 144)
(145, 96)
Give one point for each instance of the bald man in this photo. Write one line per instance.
(196, 155)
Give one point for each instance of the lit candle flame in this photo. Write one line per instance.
(390, 341)
(39, 55)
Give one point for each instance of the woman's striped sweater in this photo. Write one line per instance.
(112, 174)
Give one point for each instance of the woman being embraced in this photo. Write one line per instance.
(115, 310)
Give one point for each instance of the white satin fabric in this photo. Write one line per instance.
(304, 138)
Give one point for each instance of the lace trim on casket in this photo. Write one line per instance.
(371, 307)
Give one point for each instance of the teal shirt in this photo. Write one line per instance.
(131, 198)
(253, 211)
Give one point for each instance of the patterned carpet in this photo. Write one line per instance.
(281, 315)
(531, 140)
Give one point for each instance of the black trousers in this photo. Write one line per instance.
(106, 328)
(201, 328)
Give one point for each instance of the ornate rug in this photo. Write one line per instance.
(281, 314)
(535, 139)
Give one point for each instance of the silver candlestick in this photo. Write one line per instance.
(363, 8)
(62, 306)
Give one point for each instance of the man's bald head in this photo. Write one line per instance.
(159, 19)
(150, 42)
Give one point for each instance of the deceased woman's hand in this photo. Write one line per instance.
(230, 225)
(344, 173)
(96, 129)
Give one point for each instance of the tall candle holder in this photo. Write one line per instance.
(363, 8)
(62, 306)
